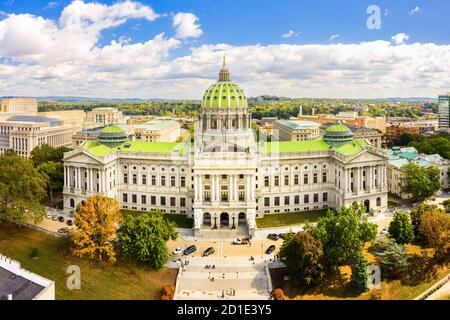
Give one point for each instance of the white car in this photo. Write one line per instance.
(177, 250)
(49, 215)
(385, 231)
(237, 241)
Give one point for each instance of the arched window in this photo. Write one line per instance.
(72, 203)
(378, 202)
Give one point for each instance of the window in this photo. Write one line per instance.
(325, 196)
(296, 179)
(266, 181)
(286, 200)
(305, 179)
(266, 202)
(277, 201)
(144, 179)
(144, 199)
(378, 202)
(153, 180)
(277, 181)
(172, 181)
(286, 180)
(297, 199)
(125, 178)
(224, 196)
(207, 196)
(306, 198)
(173, 201)
(163, 181)
(241, 176)
(315, 178)
(182, 202)
(125, 197)
(134, 179)
(153, 200)
(183, 182)
(224, 177)
(134, 198)
(324, 177)
(241, 196)
(163, 201)
(316, 197)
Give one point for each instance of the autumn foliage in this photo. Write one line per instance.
(278, 294)
(96, 221)
(168, 292)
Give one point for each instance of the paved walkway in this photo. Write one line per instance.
(233, 278)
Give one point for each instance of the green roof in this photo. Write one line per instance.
(99, 149)
(223, 95)
(351, 148)
(338, 127)
(112, 129)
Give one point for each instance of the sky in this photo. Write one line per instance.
(173, 49)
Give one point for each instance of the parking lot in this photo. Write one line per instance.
(48, 223)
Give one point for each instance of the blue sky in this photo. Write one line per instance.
(241, 25)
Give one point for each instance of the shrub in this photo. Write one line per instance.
(34, 253)
(278, 294)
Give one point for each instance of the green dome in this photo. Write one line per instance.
(112, 135)
(338, 134)
(223, 95)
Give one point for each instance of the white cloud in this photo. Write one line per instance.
(387, 12)
(414, 11)
(290, 33)
(52, 4)
(400, 38)
(334, 37)
(186, 25)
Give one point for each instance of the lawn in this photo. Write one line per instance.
(419, 277)
(123, 280)
(290, 218)
(180, 220)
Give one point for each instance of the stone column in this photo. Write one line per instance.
(231, 187)
(200, 188)
(196, 187)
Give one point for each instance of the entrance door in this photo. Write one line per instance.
(367, 205)
(224, 220)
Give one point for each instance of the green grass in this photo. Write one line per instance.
(124, 280)
(180, 220)
(290, 218)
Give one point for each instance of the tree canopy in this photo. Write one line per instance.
(46, 153)
(22, 188)
(145, 238)
(391, 256)
(343, 234)
(401, 228)
(420, 182)
(360, 273)
(435, 230)
(96, 223)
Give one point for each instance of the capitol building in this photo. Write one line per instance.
(226, 179)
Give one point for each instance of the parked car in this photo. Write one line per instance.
(240, 241)
(49, 215)
(54, 218)
(177, 251)
(189, 250)
(63, 230)
(385, 231)
(69, 222)
(61, 219)
(270, 249)
(208, 252)
(273, 236)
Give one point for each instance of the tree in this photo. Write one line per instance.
(420, 182)
(96, 220)
(360, 273)
(417, 214)
(303, 256)
(435, 230)
(343, 234)
(391, 256)
(55, 174)
(401, 228)
(145, 238)
(46, 153)
(22, 188)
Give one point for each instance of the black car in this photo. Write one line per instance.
(61, 219)
(69, 222)
(273, 236)
(208, 252)
(270, 249)
(189, 250)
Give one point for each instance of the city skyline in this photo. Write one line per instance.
(153, 49)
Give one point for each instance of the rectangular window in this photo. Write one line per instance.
(266, 181)
(207, 196)
(315, 178)
(224, 196)
(153, 200)
(296, 179)
(163, 181)
(183, 182)
(306, 198)
(125, 197)
(173, 201)
(325, 197)
(316, 197)
(277, 181)
(297, 200)
(134, 179)
(183, 202)
(144, 179)
(153, 180)
(267, 202)
(125, 178)
(241, 196)
(286, 180)
(163, 201)
(144, 199)
(286, 200)
(324, 177)
(134, 198)
(305, 179)
(172, 181)
(277, 201)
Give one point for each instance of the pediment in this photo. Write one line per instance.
(366, 156)
(82, 157)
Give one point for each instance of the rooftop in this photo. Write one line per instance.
(99, 149)
(26, 118)
(155, 125)
(298, 124)
(398, 157)
(351, 148)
